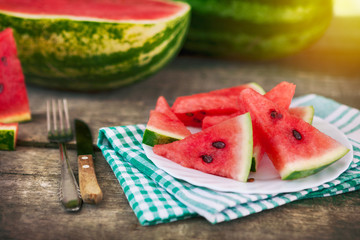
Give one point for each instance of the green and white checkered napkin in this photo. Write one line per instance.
(157, 197)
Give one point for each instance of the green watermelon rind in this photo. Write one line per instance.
(308, 113)
(89, 55)
(257, 87)
(16, 117)
(247, 147)
(256, 30)
(154, 137)
(254, 161)
(305, 168)
(7, 138)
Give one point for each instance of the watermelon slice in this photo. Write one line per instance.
(163, 126)
(14, 103)
(282, 94)
(224, 150)
(8, 136)
(192, 109)
(296, 148)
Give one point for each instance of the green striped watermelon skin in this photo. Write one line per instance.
(256, 29)
(89, 55)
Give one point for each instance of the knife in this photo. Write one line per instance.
(89, 187)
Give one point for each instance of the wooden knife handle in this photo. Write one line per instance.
(89, 187)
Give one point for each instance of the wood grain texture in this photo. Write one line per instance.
(29, 206)
(29, 176)
(89, 186)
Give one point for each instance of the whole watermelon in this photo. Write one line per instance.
(94, 45)
(256, 29)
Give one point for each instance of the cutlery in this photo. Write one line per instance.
(59, 131)
(89, 187)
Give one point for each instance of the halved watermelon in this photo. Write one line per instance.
(192, 109)
(14, 102)
(224, 150)
(8, 136)
(296, 148)
(163, 126)
(93, 45)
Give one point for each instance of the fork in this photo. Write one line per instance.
(59, 131)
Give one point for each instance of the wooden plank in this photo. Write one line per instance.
(29, 206)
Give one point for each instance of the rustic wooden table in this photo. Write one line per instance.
(29, 176)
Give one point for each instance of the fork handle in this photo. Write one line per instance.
(69, 190)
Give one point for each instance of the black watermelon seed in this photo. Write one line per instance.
(197, 120)
(189, 114)
(275, 115)
(207, 158)
(296, 135)
(203, 113)
(218, 144)
(4, 60)
(1, 87)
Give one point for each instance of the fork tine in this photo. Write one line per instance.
(54, 114)
(48, 120)
(61, 122)
(66, 111)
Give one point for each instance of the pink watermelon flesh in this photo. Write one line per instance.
(296, 148)
(163, 125)
(100, 9)
(281, 94)
(14, 103)
(224, 150)
(163, 106)
(193, 108)
(305, 113)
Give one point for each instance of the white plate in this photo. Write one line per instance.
(267, 180)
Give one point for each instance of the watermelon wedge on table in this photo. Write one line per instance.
(8, 135)
(224, 150)
(192, 109)
(14, 102)
(163, 125)
(296, 148)
(94, 45)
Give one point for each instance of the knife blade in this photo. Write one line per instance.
(89, 186)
